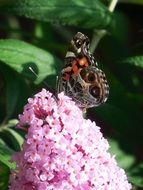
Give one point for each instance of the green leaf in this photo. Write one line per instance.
(12, 90)
(135, 60)
(16, 94)
(16, 91)
(81, 13)
(12, 94)
(124, 160)
(11, 137)
(113, 116)
(5, 155)
(136, 175)
(12, 123)
(4, 176)
(20, 56)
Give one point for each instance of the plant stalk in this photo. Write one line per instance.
(99, 34)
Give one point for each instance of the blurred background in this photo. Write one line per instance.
(37, 34)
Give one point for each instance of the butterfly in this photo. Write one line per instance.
(81, 79)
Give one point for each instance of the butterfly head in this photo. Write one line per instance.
(79, 44)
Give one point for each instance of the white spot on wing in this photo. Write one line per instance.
(79, 50)
(70, 54)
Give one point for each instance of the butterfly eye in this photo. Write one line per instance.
(95, 91)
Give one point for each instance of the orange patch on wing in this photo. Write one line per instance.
(83, 62)
(75, 67)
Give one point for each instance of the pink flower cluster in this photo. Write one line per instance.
(62, 150)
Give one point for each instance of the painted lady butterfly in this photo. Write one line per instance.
(81, 79)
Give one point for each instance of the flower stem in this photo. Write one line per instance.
(99, 34)
(112, 5)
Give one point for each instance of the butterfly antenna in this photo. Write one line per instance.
(30, 68)
(35, 74)
(49, 88)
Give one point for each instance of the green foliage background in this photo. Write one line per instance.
(37, 34)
